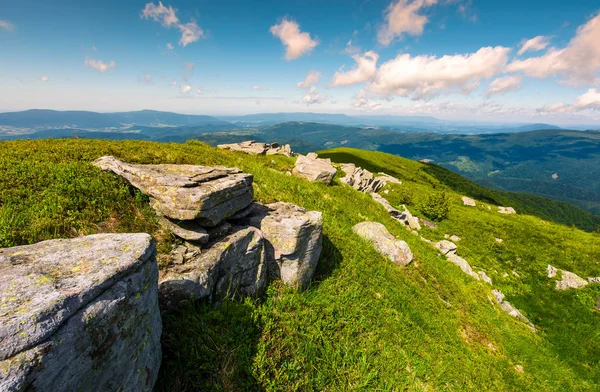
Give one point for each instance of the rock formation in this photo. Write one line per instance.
(293, 240)
(468, 201)
(384, 242)
(405, 216)
(257, 148)
(569, 280)
(80, 315)
(462, 264)
(446, 246)
(187, 192)
(363, 180)
(314, 169)
(506, 210)
(510, 309)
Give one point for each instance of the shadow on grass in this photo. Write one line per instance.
(329, 261)
(209, 348)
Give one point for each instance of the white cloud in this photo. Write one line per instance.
(169, 46)
(351, 48)
(190, 32)
(312, 78)
(426, 76)
(313, 97)
(504, 84)
(259, 88)
(590, 100)
(577, 64)
(361, 101)
(44, 78)
(366, 68)
(99, 65)
(403, 17)
(535, 44)
(185, 88)
(296, 42)
(6, 25)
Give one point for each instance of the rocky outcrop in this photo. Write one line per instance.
(232, 267)
(384, 242)
(80, 315)
(257, 148)
(186, 230)
(485, 277)
(453, 238)
(506, 210)
(468, 201)
(462, 264)
(314, 169)
(510, 309)
(293, 240)
(568, 280)
(445, 246)
(405, 216)
(187, 192)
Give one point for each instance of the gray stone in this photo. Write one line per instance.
(314, 169)
(446, 246)
(361, 179)
(427, 223)
(468, 201)
(293, 240)
(484, 277)
(506, 210)
(510, 309)
(248, 147)
(187, 230)
(570, 281)
(455, 238)
(403, 216)
(218, 232)
(80, 314)
(187, 192)
(386, 178)
(551, 271)
(384, 242)
(462, 264)
(594, 280)
(232, 267)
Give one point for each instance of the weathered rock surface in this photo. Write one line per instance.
(80, 315)
(570, 281)
(186, 230)
(234, 266)
(462, 264)
(293, 240)
(256, 148)
(427, 223)
(187, 192)
(384, 242)
(468, 201)
(314, 169)
(551, 271)
(453, 238)
(506, 210)
(485, 277)
(510, 309)
(403, 216)
(363, 180)
(595, 279)
(446, 246)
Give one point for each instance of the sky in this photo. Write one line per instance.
(473, 60)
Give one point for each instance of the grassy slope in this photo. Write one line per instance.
(364, 323)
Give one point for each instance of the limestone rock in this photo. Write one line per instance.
(249, 147)
(484, 277)
(361, 179)
(446, 246)
(570, 281)
(468, 201)
(80, 314)
(594, 280)
(187, 192)
(403, 216)
(462, 264)
(384, 242)
(293, 240)
(506, 210)
(385, 178)
(454, 238)
(187, 230)
(551, 271)
(510, 309)
(314, 169)
(234, 266)
(427, 223)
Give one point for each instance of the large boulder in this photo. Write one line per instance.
(384, 242)
(232, 267)
(360, 179)
(314, 169)
(293, 240)
(80, 315)
(187, 192)
(506, 210)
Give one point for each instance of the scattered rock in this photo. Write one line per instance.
(293, 240)
(484, 277)
(499, 240)
(446, 246)
(455, 238)
(405, 216)
(257, 148)
(384, 242)
(187, 230)
(360, 179)
(314, 169)
(187, 192)
(519, 368)
(555, 176)
(82, 314)
(551, 271)
(427, 223)
(386, 178)
(462, 264)
(467, 201)
(508, 308)
(570, 281)
(506, 210)
(234, 266)
(594, 280)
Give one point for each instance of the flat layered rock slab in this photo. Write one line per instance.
(80, 314)
(384, 242)
(186, 192)
(233, 266)
(314, 169)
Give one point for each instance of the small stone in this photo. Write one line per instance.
(506, 210)
(551, 271)
(384, 242)
(467, 201)
(499, 240)
(446, 246)
(484, 277)
(455, 238)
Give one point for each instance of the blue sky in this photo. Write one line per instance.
(530, 61)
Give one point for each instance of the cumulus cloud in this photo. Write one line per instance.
(403, 17)
(590, 100)
(44, 78)
(190, 32)
(6, 25)
(578, 63)
(185, 88)
(361, 101)
(259, 88)
(296, 42)
(426, 76)
(366, 68)
(312, 78)
(504, 84)
(534, 44)
(99, 65)
(313, 97)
